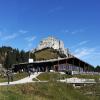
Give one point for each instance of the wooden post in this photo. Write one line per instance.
(88, 68)
(66, 64)
(79, 66)
(73, 64)
(83, 67)
(58, 64)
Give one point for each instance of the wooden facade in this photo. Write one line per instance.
(61, 64)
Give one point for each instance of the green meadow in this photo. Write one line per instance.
(47, 91)
(16, 77)
(51, 90)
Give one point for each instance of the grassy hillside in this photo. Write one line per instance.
(17, 76)
(42, 91)
(51, 90)
(52, 76)
(47, 53)
(57, 75)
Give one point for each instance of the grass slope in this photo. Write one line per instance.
(52, 76)
(17, 76)
(52, 90)
(41, 91)
(88, 76)
(56, 75)
(47, 53)
(91, 91)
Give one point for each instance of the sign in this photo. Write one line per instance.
(30, 60)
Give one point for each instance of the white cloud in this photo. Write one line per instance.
(30, 39)
(74, 32)
(82, 52)
(9, 37)
(77, 31)
(30, 42)
(23, 31)
(80, 44)
(65, 31)
(83, 42)
(90, 55)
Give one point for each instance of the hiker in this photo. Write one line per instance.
(9, 76)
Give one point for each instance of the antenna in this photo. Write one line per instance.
(29, 54)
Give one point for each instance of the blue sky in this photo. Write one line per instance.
(23, 23)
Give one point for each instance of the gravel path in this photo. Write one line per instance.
(24, 80)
